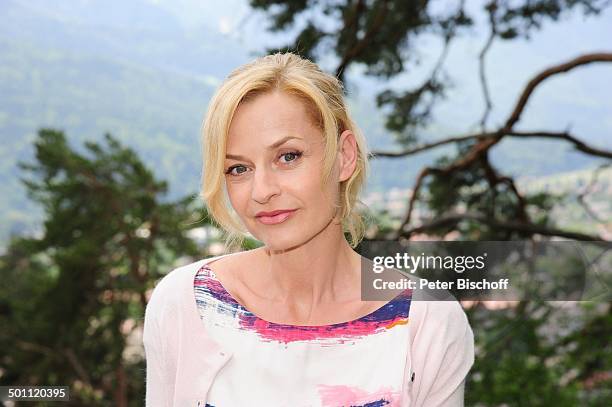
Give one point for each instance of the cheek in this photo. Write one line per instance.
(238, 196)
(306, 179)
(309, 186)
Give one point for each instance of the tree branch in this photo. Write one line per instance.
(580, 145)
(495, 179)
(486, 140)
(476, 152)
(76, 364)
(530, 228)
(588, 189)
(481, 65)
(351, 27)
(361, 45)
(428, 146)
(547, 73)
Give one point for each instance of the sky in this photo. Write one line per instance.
(579, 100)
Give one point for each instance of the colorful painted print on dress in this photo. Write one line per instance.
(356, 363)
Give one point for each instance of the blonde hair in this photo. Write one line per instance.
(323, 95)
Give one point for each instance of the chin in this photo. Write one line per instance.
(280, 240)
(286, 236)
(280, 244)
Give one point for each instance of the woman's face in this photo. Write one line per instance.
(274, 163)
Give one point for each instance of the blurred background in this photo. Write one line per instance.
(487, 120)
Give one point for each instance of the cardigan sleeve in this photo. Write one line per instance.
(158, 386)
(442, 353)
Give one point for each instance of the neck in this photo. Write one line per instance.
(321, 271)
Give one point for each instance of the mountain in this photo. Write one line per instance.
(144, 71)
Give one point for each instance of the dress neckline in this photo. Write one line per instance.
(383, 314)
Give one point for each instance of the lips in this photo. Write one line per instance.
(274, 217)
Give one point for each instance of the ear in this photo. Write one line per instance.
(348, 152)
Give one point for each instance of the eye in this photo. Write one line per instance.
(291, 156)
(240, 169)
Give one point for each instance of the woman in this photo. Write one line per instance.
(284, 324)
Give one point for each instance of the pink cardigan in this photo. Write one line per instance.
(182, 360)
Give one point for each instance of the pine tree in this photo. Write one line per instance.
(72, 300)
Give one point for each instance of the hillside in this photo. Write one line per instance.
(144, 71)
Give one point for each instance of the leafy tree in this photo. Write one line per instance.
(72, 299)
(465, 194)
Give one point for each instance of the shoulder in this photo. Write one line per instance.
(435, 307)
(170, 289)
(441, 338)
(439, 322)
(442, 351)
(441, 316)
(238, 260)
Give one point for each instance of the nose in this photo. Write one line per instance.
(265, 185)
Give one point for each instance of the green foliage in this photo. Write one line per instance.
(515, 19)
(408, 111)
(524, 359)
(154, 111)
(72, 300)
(380, 37)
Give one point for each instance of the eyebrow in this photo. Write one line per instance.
(270, 147)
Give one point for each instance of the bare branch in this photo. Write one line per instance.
(474, 154)
(34, 347)
(362, 44)
(428, 146)
(448, 37)
(481, 65)
(580, 145)
(521, 199)
(494, 179)
(352, 26)
(121, 389)
(530, 228)
(76, 364)
(486, 141)
(547, 73)
(588, 189)
(415, 193)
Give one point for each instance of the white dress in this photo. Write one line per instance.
(358, 363)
